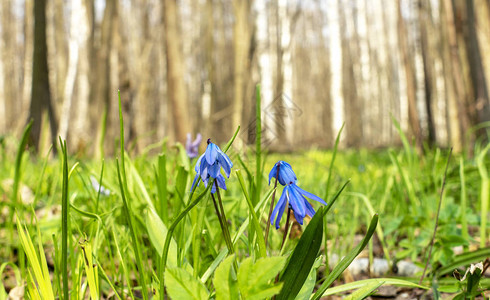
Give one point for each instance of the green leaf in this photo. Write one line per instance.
(225, 284)
(362, 283)
(254, 279)
(181, 285)
(365, 291)
(309, 285)
(303, 257)
(157, 231)
(464, 260)
(347, 260)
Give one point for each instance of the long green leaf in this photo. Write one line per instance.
(361, 283)
(303, 257)
(465, 259)
(255, 220)
(344, 263)
(365, 291)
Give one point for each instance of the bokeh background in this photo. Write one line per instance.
(192, 67)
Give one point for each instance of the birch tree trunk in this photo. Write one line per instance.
(176, 90)
(410, 81)
(241, 63)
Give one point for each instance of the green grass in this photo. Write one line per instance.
(151, 225)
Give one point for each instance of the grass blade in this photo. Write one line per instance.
(344, 263)
(255, 220)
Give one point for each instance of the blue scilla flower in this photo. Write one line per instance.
(295, 197)
(209, 166)
(285, 172)
(192, 147)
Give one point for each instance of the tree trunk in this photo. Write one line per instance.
(352, 113)
(480, 109)
(456, 80)
(413, 115)
(241, 63)
(424, 13)
(176, 90)
(41, 96)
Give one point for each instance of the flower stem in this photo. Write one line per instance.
(224, 223)
(270, 209)
(286, 229)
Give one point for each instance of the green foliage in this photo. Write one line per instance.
(182, 285)
(151, 219)
(255, 280)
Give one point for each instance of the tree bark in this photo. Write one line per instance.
(413, 114)
(480, 109)
(41, 96)
(176, 90)
(456, 80)
(352, 113)
(241, 63)
(424, 13)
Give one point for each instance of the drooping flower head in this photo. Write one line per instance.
(285, 172)
(292, 194)
(192, 147)
(209, 166)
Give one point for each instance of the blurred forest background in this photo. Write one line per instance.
(192, 66)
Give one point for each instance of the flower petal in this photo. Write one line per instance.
(224, 163)
(211, 153)
(198, 164)
(297, 201)
(214, 170)
(279, 209)
(273, 173)
(310, 195)
(309, 209)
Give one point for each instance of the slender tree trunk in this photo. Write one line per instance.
(41, 96)
(176, 90)
(456, 78)
(424, 12)
(352, 113)
(480, 109)
(413, 115)
(241, 63)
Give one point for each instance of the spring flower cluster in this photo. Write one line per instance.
(209, 166)
(292, 195)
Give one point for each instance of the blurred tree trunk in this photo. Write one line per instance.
(81, 133)
(41, 96)
(413, 115)
(352, 113)
(27, 58)
(458, 111)
(176, 90)
(241, 62)
(60, 51)
(102, 89)
(9, 57)
(480, 109)
(424, 13)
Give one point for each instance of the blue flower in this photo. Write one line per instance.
(209, 166)
(192, 147)
(294, 196)
(286, 173)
